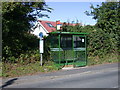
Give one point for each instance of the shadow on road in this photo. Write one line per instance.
(8, 82)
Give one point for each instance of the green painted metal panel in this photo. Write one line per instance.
(68, 33)
(59, 50)
(69, 48)
(80, 50)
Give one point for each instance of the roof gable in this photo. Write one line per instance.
(48, 25)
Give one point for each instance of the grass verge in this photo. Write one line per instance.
(109, 58)
(15, 70)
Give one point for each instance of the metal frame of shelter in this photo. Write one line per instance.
(68, 48)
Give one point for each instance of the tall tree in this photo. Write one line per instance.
(16, 18)
(108, 19)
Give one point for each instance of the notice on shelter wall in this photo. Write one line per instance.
(83, 40)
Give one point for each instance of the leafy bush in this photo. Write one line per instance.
(108, 28)
(17, 18)
(26, 46)
(100, 43)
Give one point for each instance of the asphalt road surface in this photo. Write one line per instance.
(99, 76)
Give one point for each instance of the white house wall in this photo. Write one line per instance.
(39, 29)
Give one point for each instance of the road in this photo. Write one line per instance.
(99, 76)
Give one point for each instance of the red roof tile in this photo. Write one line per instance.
(48, 28)
(51, 29)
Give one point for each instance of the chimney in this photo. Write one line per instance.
(58, 25)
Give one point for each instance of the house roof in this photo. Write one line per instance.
(47, 25)
(50, 26)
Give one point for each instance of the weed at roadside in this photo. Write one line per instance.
(14, 70)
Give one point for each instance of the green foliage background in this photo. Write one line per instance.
(20, 53)
(18, 45)
(103, 38)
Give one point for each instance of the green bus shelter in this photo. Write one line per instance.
(68, 48)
